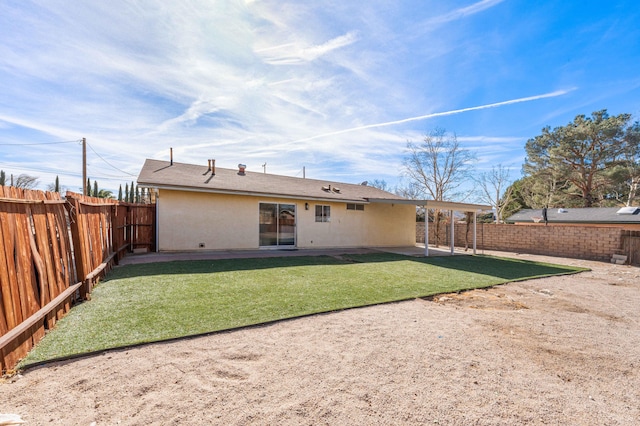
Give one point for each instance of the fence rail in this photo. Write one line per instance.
(52, 251)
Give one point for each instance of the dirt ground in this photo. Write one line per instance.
(561, 350)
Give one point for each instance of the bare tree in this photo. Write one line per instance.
(438, 167)
(25, 181)
(380, 184)
(412, 191)
(494, 188)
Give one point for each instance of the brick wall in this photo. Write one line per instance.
(568, 241)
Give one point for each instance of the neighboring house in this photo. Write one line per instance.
(202, 207)
(620, 217)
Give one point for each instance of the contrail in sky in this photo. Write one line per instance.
(440, 114)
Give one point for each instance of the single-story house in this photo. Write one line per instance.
(620, 217)
(203, 207)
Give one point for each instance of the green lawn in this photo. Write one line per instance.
(152, 302)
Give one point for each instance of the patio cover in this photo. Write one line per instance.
(440, 205)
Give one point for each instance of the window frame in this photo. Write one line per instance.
(325, 213)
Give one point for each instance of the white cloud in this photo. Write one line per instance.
(287, 82)
(439, 114)
(462, 12)
(291, 53)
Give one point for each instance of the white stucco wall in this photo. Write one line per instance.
(219, 221)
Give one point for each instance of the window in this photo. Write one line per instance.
(359, 207)
(323, 213)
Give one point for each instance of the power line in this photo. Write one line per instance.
(38, 143)
(99, 156)
(40, 170)
(64, 172)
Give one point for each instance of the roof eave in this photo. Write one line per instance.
(432, 204)
(252, 193)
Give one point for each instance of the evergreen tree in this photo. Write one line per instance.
(137, 194)
(56, 188)
(87, 190)
(3, 178)
(126, 192)
(120, 193)
(132, 194)
(576, 160)
(95, 189)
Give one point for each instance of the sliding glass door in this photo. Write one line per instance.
(277, 225)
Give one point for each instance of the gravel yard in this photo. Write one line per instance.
(559, 350)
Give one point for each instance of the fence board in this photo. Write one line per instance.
(631, 247)
(47, 243)
(6, 301)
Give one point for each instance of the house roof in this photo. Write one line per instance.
(578, 215)
(191, 177)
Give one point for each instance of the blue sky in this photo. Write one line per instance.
(337, 87)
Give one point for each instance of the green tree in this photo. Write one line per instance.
(120, 193)
(55, 186)
(3, 178)
(575, 159)
(126, 192)
(87, 190)
(630, 163)
(132, 194)
(95, 189)
(105, 193)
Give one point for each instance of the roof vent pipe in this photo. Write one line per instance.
(213, 167)
(171, 155)
(241, 169)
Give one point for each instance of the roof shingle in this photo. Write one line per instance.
(191, 177)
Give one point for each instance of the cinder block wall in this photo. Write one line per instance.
(579, 242)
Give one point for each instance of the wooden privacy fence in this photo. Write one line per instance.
(631, 246)
(52, 251)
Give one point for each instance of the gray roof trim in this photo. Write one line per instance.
(253, 194)
(432, 204)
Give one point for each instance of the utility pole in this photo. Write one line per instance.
(84, 166)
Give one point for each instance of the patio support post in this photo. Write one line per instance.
(453, 234)
(475, 227)
(426, 231)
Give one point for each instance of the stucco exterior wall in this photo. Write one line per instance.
(187, 220)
